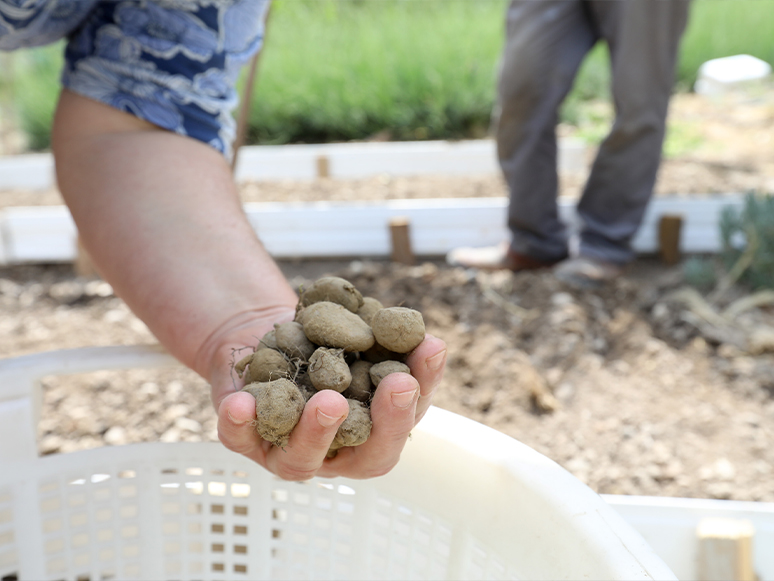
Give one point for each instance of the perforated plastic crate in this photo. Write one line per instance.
(465, 502)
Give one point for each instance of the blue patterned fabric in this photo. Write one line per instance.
(173, 63)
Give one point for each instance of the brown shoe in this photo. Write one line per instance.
(499, 257)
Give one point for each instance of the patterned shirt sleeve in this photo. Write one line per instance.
(173, 63)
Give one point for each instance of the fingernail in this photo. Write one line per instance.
(404, 399)
(435, 362)
(233, 421)
(325, 420)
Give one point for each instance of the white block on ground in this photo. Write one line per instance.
(718, 76)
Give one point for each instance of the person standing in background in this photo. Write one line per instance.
(546, 42)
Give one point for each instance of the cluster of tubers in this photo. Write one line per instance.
(338, 340)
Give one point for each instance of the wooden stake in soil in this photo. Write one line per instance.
(401, 241)
(725, 550)
(247, 95)
(323, 166)
(669, 227)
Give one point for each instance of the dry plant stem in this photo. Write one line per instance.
(729, 335)
(722, 327)
(758, 299)
(160, 216)
(247, 96)
(696, 303)
(742, 263)
(703, 316)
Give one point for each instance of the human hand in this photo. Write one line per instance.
(399, 402)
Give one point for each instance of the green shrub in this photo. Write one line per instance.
(591, 85)
(700, 273)
(719, 28)
(748, 236)
(335, 70)
(35, 90)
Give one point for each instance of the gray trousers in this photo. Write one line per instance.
(546, 43)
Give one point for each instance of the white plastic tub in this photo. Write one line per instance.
(465, 502)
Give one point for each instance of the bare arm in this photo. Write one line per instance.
(160, 216)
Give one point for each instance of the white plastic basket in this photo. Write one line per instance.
(465, 502)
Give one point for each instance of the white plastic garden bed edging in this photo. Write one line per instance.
(347, 229)
(342, 160)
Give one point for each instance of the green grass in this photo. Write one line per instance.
(681, 138)
(346, 69)
(335, 70)
(719, 28)
(33, 88)
(592, 85)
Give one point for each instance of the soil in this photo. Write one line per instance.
(624, 387)
(612, 385)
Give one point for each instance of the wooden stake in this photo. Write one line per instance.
(401, 241)
(669, 227)
(725, 550)
(323, 166)
(247, 96)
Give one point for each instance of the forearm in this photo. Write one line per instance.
(160, 216)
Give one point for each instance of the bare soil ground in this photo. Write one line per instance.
(625, 387)
(611, 384)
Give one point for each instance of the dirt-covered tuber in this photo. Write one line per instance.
(339, 340)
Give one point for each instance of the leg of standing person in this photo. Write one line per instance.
(545, 45)
(643, 37)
